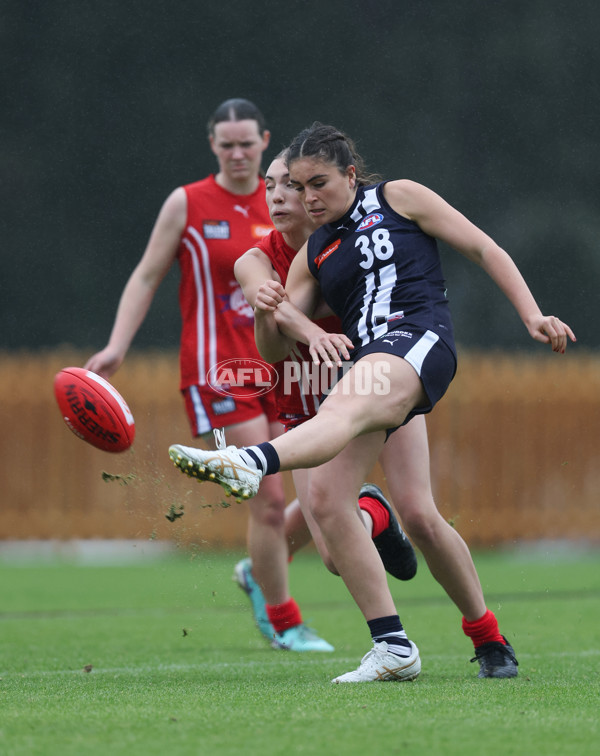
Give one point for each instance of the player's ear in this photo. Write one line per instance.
(266, 137)
(351, 173)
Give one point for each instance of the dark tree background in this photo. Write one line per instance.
(493, 105)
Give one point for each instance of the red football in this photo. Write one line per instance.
(94, 410)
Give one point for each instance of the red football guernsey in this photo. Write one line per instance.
(217, 322)
(294, 392)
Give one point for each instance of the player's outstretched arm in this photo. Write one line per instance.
(442, 221)
(139, 291)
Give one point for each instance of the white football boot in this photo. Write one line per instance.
(227, 467)
(381, 665)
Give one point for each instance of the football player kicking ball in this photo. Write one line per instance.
(374, 259)
(296, 399)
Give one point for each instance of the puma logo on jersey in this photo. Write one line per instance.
(391, 337)
(242, 210)
(320, 259)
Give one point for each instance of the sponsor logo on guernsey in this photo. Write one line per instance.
(259, 230)
(370, 221)
(404, 334)
(320, 259)
(216, 229)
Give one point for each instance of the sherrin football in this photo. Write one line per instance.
(94, 410)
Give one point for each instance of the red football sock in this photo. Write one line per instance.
(483, 630)
(379, 514)
(283, 616)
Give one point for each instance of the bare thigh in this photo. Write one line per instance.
(335, 485)
(376, 393)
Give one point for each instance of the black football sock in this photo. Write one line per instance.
(264, 457)
(390, 630)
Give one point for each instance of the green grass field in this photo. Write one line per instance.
(177, 666)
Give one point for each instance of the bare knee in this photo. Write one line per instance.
(321, 509)
(321, 505)
(421, 523)
(269, 509)
(319, 542)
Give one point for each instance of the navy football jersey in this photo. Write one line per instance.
(378, 271)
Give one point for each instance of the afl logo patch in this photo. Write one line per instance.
(370, 220)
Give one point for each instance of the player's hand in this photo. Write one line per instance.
(551, 330)
(269, 295)
(330, 348)
(104, 363)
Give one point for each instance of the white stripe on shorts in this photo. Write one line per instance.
(202, 420)
(416, 354)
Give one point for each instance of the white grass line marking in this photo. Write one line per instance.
(282, 659)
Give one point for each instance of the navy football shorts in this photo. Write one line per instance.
(430, 356)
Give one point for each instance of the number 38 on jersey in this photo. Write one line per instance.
(378, 245)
